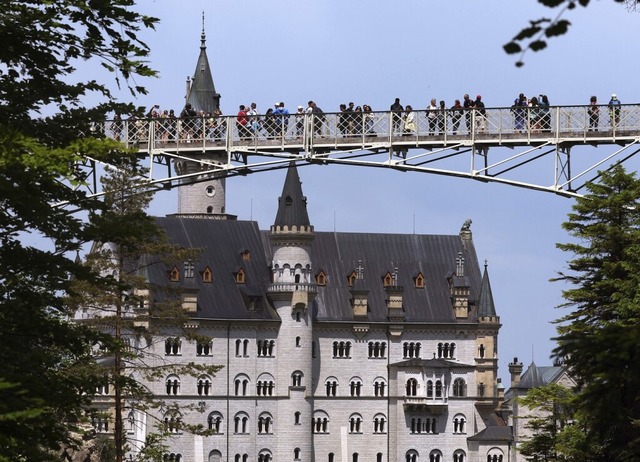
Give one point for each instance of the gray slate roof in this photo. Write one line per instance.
(338, 255)
(486, 306)
(203, 95)
(222, 243)
(292, 204)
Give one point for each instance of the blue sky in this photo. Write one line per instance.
(335, 51)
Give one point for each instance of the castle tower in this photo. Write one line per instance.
(487, 344)
(202, 199)
(291, 293)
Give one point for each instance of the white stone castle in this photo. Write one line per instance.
(334, 347)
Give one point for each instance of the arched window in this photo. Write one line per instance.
(204, 348)
(296, 379)
(265, 456)
(320, 422)
(429, 389)
(296, 418)
(296, 454)
(173, 457)
(172, 346)
(214, 422)
(435, 456)
(459, 387)
(412, 387)
(331, 457)
(355, 423)
(331, 386)
(241, 385)
(459, 424)
(379, 423)
(379, 387)
(379, 457)
(411, 456)
(265, 423)
(215, 456)
(377, 349)
(354, 457)
(241, 423)
(459, 456)
(173, 422)
(411, 349)
(204, 386)
(172, 385)
(266, 347)
(438, 389)
(355, 386)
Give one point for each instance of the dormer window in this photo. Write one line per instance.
(188, 269)
(387, 280)
(419, 281)
(351, 279)
(321, 278)
(246, 255)
(240, 276)
(288, 200)
(207, 275)
(174, 274)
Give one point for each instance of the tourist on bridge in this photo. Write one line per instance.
(318, 117)
(518, 109)
(254, 119)
(282, 119)
(358, 120)
(300, 121)
(614, 110)
(187, 118)
(467, 104)
(396, 109)
(368, 119)
(535, 115)
(432, 116)
(242, 123)
(594, 114)
(410, 126)
(442, 117)
(456, 114)
(270, 124)
(543, 102)
(343, 122)
(480, 114)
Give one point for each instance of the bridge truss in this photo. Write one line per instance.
(557, 149)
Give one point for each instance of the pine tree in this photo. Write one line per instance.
(598, 339)
(133, 312)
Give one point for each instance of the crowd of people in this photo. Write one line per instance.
(529, 113)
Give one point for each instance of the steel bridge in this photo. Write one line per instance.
(555, 149)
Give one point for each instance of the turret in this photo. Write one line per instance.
(291, 237)
(203, 199)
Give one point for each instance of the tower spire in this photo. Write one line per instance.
(203, 37)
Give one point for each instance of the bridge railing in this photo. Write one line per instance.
(300, 132)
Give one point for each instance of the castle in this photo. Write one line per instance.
(335, 347)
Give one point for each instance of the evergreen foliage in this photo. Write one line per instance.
(598, 339)
(46, 375)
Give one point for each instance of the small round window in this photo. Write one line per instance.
(211, 191)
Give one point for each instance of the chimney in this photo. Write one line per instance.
(515, 369)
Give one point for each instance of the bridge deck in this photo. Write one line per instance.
(434, 143)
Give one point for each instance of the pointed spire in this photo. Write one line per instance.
(202, 94)
(486, 306)
(292, 205)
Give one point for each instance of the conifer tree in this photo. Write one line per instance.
(598, 339)
(135, 313)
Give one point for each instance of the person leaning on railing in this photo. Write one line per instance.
(594, 114)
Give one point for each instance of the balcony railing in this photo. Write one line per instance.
(332, 130)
